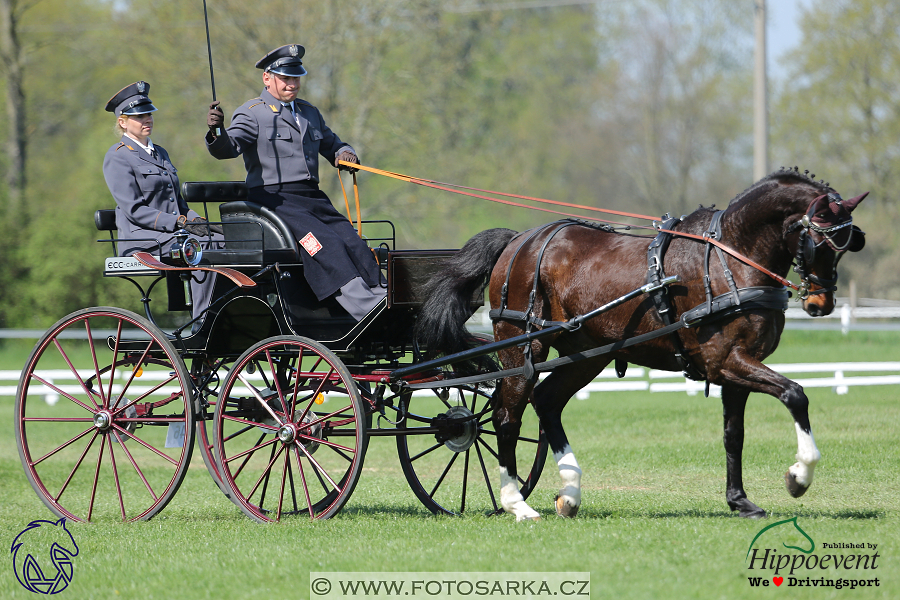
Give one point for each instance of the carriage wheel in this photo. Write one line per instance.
(290, 435)
(207, 374)
(103, 420)
(448, 450)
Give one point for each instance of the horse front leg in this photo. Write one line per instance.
(747, 372)
(734, 401)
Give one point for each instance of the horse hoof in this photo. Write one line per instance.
(564, 509)
(793, 487)
(755, 513)
(527, 519)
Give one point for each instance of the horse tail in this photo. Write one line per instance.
(441, 324)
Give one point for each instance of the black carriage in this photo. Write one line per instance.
(281, 391)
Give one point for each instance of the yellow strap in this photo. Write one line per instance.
(358, 214)
(347, 201)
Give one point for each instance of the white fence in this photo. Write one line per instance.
(636, 379)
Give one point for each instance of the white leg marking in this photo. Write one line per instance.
(511, 498)
(570, 495)
(807, 457)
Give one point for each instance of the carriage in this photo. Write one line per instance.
(282, 392)
(269, 365)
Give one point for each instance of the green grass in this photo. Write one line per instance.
(654, 523)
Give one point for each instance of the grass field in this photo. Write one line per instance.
(654, 523)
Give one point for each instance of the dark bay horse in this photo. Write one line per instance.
(786, 218)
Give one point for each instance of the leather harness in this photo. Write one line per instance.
(736, 300)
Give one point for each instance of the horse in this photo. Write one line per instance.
(555, 273)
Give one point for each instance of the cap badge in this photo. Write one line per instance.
(141, 86)
(293, 50)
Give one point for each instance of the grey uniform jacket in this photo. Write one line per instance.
(275, 148)
(147, 194)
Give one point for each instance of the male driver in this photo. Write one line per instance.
(281, 137)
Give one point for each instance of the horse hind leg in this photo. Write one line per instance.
(734, 401)
(569, 497)
(550, 398)
(511, 395)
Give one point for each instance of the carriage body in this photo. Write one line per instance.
(303, 384)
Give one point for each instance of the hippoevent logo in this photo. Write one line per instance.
(42, 556)
(783, 553)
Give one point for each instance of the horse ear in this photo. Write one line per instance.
(852, 202)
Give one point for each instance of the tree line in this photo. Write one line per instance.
(642, 106)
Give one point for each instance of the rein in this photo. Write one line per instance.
(802, 289)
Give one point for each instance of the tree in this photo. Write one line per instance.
(838, 114)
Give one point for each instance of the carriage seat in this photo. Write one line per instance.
(254, 234)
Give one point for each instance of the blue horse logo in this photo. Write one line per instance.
(40, 541)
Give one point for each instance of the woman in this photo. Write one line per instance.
(144, 183)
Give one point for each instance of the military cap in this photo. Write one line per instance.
(284, 61)
(131, 100)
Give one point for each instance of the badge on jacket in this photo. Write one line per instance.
(310, 244)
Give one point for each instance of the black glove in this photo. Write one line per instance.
(215, 119)
(199, 226)
(348, 156)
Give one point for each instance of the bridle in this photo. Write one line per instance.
(807, 247)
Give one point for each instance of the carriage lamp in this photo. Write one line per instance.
(185, 249)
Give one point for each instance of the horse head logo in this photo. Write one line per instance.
(36, 548)
(786, 534)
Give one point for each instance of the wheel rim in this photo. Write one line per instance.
(92, 420)
(448, 451)
(280, 451)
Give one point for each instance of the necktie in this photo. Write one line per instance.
(154, 154)
(290, 106)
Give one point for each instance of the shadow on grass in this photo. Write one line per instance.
(847, 514)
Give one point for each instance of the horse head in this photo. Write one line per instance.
(826, 233)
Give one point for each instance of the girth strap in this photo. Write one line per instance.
(655, 273)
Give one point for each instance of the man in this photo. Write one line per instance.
(280, 138)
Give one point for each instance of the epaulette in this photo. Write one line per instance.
(119, 147)
(257, 104)
(301, 101)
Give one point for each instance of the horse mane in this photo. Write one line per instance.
(783, 175)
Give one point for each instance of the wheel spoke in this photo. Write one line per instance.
(77, 464)
(112, 369)
(134, 464)
(424, 452)
(65, 394)
(252, 450)
(249, 456)
(58, 448)
(96, 476)
(259, 398)
(487, 480)
(75, 374)
(444, 474)
(309, 504)
(112, 460)
(90, 338)
(265, 474)
(462, 503)
(317, 465)
(265, 487)
(287, 457)
(146, 445)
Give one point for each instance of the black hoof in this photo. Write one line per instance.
(794, 489)
(748, 510)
